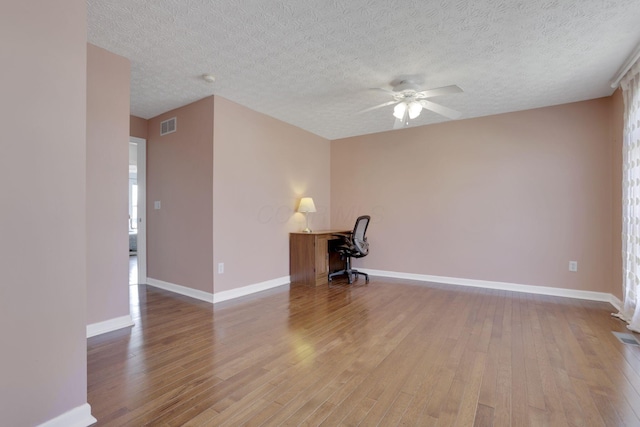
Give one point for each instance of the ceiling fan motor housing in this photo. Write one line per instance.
(406, 86)
(406, 91)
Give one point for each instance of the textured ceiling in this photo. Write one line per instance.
(311, 63)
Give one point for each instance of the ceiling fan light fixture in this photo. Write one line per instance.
(399, 110)
(409, 101)
(414, 109)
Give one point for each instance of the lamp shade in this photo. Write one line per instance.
(399, 110)
(306, 205)
(414, 109)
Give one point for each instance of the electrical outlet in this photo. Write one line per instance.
(573, 266)
(220, 267)
(156, 204)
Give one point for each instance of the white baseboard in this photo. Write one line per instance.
(614, 301)
(182, 290)
(77, 417)
(219, 296)
(251, 289)
(542, 290)
(109, 325)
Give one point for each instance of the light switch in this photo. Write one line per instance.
(156, 204)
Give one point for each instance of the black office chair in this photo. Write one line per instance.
(353, 245)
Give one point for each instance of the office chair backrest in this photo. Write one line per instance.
(359, 231)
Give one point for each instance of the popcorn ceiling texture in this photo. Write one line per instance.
(311, 63)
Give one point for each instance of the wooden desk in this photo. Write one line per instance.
(310, 260)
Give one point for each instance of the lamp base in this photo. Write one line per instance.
(306, 218)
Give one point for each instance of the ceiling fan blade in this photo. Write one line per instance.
(445, 90)
(378, 106)
(381, 89)
(440, 109)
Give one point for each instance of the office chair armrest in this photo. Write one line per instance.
(343, 236)
(348, 234)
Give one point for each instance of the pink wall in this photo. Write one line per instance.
(180, 176)
(43, 372)
(138, 127)
(262, 167)
(510, 198)
(107, 185)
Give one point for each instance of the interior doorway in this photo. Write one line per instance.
(137, 211)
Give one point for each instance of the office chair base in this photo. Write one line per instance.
(350, 274)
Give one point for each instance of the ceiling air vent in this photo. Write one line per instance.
(168, 126)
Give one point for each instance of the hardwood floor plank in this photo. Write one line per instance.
(448, 413)
(398, 367)
(519, 397)
(201, 419)
(393, 416)
(428, 371)
(469, 404)
(566, 409)
(484, 416)
(587, 413)
(393, 352)
(607, 410)
(556, 395)
(358, 413)
(530, 328)
(251, 406)
(488, 387)
(310, 412)
(503, 409)
(319, 415)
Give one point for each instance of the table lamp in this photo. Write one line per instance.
(306, 206)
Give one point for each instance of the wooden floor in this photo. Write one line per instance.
(389, 353)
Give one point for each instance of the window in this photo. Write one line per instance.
(133, 205)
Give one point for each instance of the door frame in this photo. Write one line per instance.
(142, 207)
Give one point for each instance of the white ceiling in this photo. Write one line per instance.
(311, 63)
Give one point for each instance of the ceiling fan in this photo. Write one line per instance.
(410, 101)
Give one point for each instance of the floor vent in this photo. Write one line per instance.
(168, 126)
(626, 338)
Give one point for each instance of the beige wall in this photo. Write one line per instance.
(107, 185)
(138, 127)
(43, 373)
(180, 176)
(510, 198)
(262, 167)
(238, 203)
